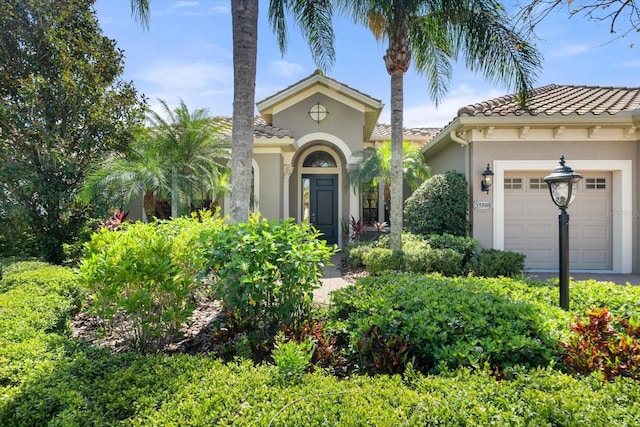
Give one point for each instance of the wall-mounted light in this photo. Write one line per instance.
(318, 112)
(487, 179)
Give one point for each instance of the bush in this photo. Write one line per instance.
(420, 257)
(451, 323)
(464, 245)
(379, 260)
(265, 271)
(439, 206)
(496, 263)
(146, 272)
(600, 344)
(354, 252)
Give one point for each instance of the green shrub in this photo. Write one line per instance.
(146, 272)
(464, 245)
(354, 252)
(439, 206)
(265, 271)
(450, 323)
(496, 263)
(379, 260)
(292, 358)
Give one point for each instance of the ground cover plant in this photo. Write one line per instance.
(49, 378)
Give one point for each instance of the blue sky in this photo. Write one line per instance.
(187, 54)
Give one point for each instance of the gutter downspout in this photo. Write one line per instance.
(455, 138)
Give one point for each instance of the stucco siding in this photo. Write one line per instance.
(271, 177)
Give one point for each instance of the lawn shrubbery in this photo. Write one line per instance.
(437, 253)
(497, 327)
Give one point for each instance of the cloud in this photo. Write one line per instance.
(285, 69)
(427, 115)
(185, 75)
(570, 50)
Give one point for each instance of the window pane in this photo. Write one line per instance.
(369, 204)
(319, 159)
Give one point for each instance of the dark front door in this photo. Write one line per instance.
(323, 204)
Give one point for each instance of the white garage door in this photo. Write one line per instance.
(531, 221)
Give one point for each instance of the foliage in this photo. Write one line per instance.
(292, 358)
(464, 245)
(63, 106)
(375, 168)
(439, 206)
(379, 260)
(382, 352)
(425, 259)
(265, 271)
(357, 229)
(355, 251)
(449, 323)
(495, 263)
(599, 343)
(47, 379)
(145, 272)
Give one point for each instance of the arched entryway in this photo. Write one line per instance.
(320, 183)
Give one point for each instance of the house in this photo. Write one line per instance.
(309, 133)
(304, 140)
(595, 128)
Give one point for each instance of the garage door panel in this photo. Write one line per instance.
(531, 222)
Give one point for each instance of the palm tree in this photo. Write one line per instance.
(194, 152)
(375, 168)
(436, 31)
(314, 18)
(177, 158)
(120, 180)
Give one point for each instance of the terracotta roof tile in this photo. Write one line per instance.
(383, 131)
(260, 128)
(561, 99)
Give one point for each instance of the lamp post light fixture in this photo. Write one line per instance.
(561, 184)
(487, 179)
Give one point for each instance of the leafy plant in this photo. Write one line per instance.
(357, 229)
(383, 352)
(495, 263)
(265, 271)
(379, 260)
(292, 358)
(145, 272)
(602, 343)
(439, 206)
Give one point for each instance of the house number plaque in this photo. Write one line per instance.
(482, 205)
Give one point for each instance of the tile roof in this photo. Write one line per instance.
(383, 131)
(565, 100)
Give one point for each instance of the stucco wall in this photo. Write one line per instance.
(342, 121)
(270, 193)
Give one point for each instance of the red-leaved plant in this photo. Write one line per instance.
(601, 343)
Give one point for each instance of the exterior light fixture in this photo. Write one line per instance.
(487, 179)
(562, 182)
(318, 112)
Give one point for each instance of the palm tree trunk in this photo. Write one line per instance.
(245, 45)
(149, 205)
(397, 101)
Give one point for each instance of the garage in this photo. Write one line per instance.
(531, 221)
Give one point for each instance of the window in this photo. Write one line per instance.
(513, 183)
(596, 183)
(537, 184)
(369, 204)
(319, 159)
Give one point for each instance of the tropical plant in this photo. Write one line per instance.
(177, 158)
(193, 150)
(436, 32)
(375, 168)
(314, 20)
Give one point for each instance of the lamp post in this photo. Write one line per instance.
(561, 184)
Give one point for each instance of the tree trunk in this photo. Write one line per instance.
(397, 101)
(149, 205)
(245, 45)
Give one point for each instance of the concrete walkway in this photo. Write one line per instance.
(331, 281)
